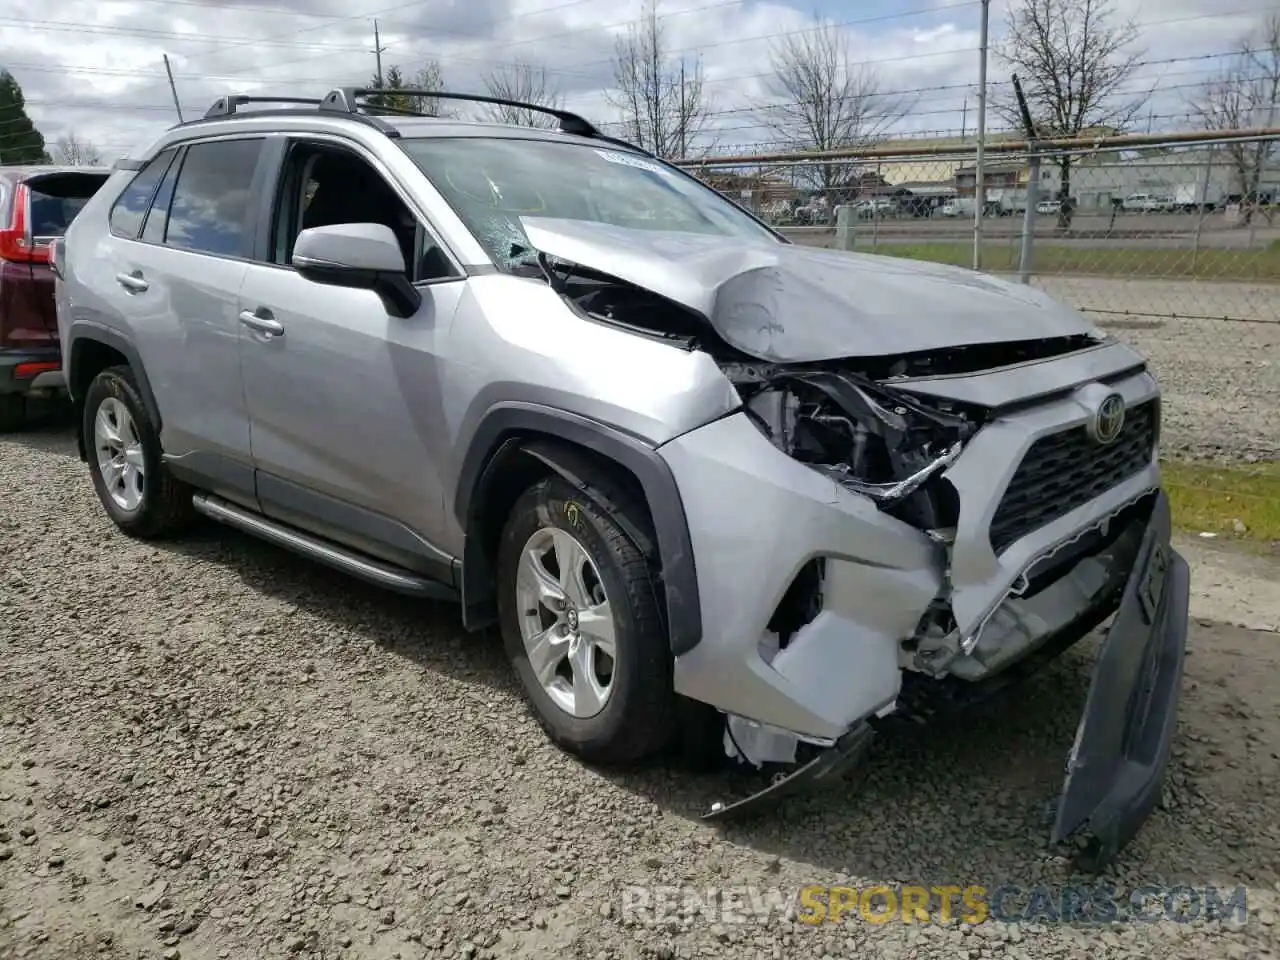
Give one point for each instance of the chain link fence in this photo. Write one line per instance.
(1172, 245)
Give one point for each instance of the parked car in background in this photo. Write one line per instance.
(1148, 203)
(1049, 206)
(36, 205)
(874, 208)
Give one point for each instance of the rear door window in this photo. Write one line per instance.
(130, 209)
(210, 211)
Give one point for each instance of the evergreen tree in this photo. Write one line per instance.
(20, 141)
(394, 80)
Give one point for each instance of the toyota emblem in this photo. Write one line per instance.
(1108, 419)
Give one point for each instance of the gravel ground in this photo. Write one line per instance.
(1220, 381)
(214, 749)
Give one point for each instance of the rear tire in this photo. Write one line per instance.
(560, 552)
(123, 446)
(13, 412)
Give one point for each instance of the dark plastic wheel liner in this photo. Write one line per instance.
(1116, 768)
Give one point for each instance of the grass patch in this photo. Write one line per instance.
(1102, 261)
(1212, 496)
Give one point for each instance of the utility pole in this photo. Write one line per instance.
(172, 88)
(378, 50)
(979, 191)
(964, 117)
(684, 147)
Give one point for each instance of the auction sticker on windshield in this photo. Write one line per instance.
(628, 160)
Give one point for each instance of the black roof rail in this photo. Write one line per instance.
(227, 106)
(346, 100)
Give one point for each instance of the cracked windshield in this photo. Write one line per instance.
(493, 183)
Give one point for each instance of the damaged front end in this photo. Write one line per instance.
(1086, 558)
(873, 441)
(935, 509)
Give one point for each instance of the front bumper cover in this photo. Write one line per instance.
(1116, 768)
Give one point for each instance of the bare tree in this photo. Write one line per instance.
(1073, 60)
(826, 101)
(428, 77)
(527, 84)
(1244, 96)
(74, 152)
(663, 102)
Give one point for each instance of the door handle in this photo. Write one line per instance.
(262, 322)
(132, 282)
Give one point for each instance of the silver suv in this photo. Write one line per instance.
(718, 491)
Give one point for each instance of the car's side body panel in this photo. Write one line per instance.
(757, 517)
(346, 401)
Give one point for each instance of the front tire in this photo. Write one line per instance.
(581, 625)
(135, 487)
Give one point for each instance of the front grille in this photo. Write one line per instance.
(1066, 470)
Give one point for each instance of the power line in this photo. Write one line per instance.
(403, 6)
(328, 82)
(331, 49)
(147, 33)
(328, 49)
(861, 21)
(575, 70)
(764, 107)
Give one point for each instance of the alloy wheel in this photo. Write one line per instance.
(566, 622)
(119, 454)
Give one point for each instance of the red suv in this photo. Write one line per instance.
(36, 205)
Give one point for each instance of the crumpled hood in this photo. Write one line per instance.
(788, 303)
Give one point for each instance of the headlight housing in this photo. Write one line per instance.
(871, 439)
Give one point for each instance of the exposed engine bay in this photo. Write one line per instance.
(869, 438)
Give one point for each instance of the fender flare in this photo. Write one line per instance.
(110, 338)
(528, 427)
(83, 333)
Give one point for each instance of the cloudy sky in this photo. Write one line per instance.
(95, 67)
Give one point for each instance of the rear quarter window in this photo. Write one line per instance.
(131, 207)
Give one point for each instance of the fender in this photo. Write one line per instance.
(522, 425)
(84, 333)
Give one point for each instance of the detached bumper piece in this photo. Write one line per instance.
(831, 764)
(1116, 768)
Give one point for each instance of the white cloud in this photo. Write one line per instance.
(96, 67)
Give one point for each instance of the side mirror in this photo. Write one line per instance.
(361, 255)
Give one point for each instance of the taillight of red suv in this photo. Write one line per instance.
(15, 242)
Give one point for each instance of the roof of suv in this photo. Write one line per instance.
(345, 107)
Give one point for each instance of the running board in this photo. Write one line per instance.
(371, 571)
